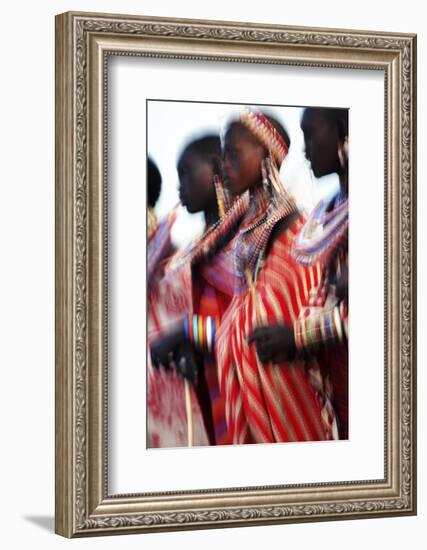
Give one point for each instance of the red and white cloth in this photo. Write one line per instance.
(272, 402)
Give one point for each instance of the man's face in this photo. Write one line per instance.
(196, 188)
(321, 142)
(243, 155)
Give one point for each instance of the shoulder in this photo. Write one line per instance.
(285, 230)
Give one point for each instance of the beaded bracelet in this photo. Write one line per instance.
(195, 332)
(319, 328)
(201, 330)
(186, 328)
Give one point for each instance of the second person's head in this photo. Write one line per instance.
(325, 133)
(197, 165)
(248, 141)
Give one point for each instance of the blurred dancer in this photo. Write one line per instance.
(154, 187)
(198, 283)
(271, 401)
(321, 329)
(158, 234)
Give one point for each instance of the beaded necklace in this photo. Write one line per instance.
(269, 204)
(207, 243)
(323, 231)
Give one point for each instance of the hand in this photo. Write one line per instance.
(275, 343)
(341, 283)
(186, 362)
(164, 348)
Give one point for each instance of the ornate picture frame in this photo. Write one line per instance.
(84, 43)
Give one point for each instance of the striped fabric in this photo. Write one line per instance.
(167, 300)
(265, 402)
(176, 292)
(213, 303)
(159, 242)
(322, 329)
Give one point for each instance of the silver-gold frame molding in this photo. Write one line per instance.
(83, 43)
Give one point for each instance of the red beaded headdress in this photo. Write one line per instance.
(262, 128)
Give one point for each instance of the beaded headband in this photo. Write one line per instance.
(261, 127)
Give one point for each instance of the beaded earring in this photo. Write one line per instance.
(265, 179)
(223, 197)
(152, 223)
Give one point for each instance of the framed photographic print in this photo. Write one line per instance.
(235, 274)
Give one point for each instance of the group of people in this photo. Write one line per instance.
(247, 326)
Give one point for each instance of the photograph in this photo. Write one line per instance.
(247, 274)
(235, 267)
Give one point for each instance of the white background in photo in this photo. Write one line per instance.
(172, 125)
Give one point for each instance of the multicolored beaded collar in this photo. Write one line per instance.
(270, 203)
(322, 232)
(206, 245)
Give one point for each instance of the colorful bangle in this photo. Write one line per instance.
(318, 328)
(200, 332)
(195, 332)
(190, 329)
(308, 334)
(213, 326)
(328, 327)
(304, 333)
(297, 335)
(186, 329)
(323, 331)
(338, 326)
(343, 311)
(209, 334)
